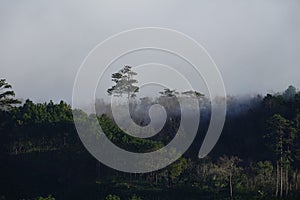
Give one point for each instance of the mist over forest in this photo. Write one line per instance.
(256, 157)
(149, 100)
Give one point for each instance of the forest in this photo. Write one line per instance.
(256, 157)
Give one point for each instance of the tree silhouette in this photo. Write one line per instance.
(281, 135)
(124, 83)
(7, 99)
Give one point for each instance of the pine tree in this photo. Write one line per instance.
(124, 83)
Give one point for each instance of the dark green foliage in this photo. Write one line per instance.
(124, 83)
(117, 136)
(41, 154)
(264, 177)
(168, 93)
(7, 99)
(112, 197)
(45, 198)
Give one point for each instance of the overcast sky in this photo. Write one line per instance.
(255, 44)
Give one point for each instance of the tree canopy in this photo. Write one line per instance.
(124, 83)
(7, 95)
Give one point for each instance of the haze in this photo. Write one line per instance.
(255, 44)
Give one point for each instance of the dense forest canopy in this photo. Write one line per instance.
(257, 156)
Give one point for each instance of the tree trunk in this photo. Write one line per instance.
(277, 178)
(286, 180)
(130, 177)
(230, 184)
(281, 177)
(296, 185)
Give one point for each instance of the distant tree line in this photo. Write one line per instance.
(257, 156)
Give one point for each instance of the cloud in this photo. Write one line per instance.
(254, 43)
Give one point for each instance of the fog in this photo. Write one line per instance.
(255, 44)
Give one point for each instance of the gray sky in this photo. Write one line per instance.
(255, 44)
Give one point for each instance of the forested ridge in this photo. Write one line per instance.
(256, 157)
